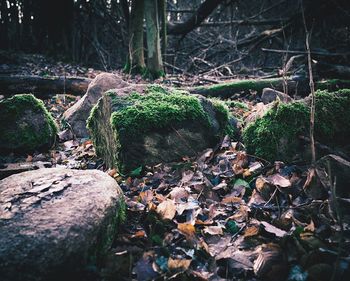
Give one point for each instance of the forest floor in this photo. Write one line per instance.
(222, 215)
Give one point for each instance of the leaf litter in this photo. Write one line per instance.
(224, 215)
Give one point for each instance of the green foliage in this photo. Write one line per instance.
(275, 135)
(17, 133)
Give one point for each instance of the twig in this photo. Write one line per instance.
(312, 88)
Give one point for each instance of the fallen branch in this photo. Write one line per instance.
(301, 88)
(226, 90)
(42, 86)
(317, 53)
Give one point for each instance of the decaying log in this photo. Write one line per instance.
(42, 86)
(295, 87)
(226, 90)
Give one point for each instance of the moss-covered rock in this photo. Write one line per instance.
(158, 125)
(25, 125)
(275, 135)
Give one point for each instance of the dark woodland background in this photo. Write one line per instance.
(230, 41)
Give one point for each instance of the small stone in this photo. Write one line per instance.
(270, 95)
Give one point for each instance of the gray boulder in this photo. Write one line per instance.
(77, 115)
(269, 95)
(25, 125)
(154, 125)
(55, 222)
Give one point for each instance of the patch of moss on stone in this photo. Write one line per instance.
(156, 110)
(25, 124)
(222, 114)
(105, 238)
(275, 135)
(238, 85)
(138, 121)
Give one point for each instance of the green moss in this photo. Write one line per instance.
(239, 85)
(19, 134)
(222, 114)
(135, 116)
(332, 84)
(156, 110)
(105, 238)
(275, 135)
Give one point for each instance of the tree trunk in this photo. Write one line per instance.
(163, 19)
(154, 56)
(136, 59)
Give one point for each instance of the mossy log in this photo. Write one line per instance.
(301, 88)
(275, 136)
(43, 87)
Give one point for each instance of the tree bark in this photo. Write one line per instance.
(163, 19)
(136, 59)
(154, 56)
(42, 87)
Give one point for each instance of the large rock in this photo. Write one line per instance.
(55, 222)
(25, 125)
(158, 125)
(77, 115)
(275, 136)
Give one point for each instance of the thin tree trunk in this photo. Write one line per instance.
(154, 57)
(163, 18)
(136, 59)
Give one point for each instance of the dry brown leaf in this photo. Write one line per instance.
(310, 227)
(213, 230)
(167, 209)
(188, 230)
(139, 234)
(251, 231)
(231, 199)
(279, 180)
(273, 229)
(178, 193)
(264, 187)
(112, 172)
(146, 196)
(29, 158)
(177, 264)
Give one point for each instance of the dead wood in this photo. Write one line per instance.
(42, 86)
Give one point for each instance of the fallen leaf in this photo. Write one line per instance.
(29, 158)
(213, 230)
(179, 193)
(251, 231)
(278, 180)
(139, 234)
(188, 230)
(146, 196)
(167, 209)
(178, 264)
(231, 199)
(274, 230)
